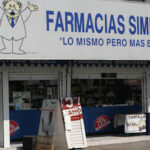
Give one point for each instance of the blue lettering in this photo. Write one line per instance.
(68, 21)
(98, 16)
(88, 43)
(70, 41)
(108, 41)
(144, 25)
(137, 25)
(94, 41)
(79, 41)
(148, 43)
(133, 29)
(124, 42)
(89, 24)
(112, 25)
(49, 20)
(79, 24)
(137, 43)
(59, 22)
(142, 43)
(117, 42)
(105, 23)
(101, 42)
(120, 19)
(113, 42)
(64, 42)
(132, 43)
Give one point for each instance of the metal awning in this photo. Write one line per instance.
(33, 62)
(78, 63)
(111, 63)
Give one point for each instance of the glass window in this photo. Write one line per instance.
(101, 92)
(30, 94)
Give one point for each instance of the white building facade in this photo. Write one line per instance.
(98, 51)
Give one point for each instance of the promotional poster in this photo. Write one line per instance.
(46, 128)
(73, 120)
(135, 123)
(22, 100)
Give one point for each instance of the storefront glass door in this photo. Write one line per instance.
(25, 102)
(25, 95)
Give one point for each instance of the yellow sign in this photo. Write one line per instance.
(44, 143)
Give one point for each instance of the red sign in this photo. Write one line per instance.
(13, 127)
(72, 107)
(101, 122)
(77, 117)
(75, 114)
(73, 121)
(69, 103)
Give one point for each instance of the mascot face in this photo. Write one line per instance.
(12, 8)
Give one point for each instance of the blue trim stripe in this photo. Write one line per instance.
(109, 63)
(35, 63)
(78, 63)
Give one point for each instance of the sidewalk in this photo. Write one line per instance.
(126, 146)
(118, 139)
(108, 142)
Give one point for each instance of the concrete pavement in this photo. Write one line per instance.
(107, 142)
(115, 139)
(127, 146)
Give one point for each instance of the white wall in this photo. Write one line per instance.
(4, 112)
(6, 130)
(1, 116)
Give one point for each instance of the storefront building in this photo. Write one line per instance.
(106, 89)
(100, 55)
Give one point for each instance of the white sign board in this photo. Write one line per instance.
(135, 123)
(74, 126)
(74, 29)
(46, 127)
(47, 118)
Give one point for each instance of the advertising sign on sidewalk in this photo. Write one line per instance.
(46, 128)
(135, 123)
(74, 126)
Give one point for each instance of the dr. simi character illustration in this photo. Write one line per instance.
(12, 25)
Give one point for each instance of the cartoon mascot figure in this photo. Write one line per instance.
(12, 25)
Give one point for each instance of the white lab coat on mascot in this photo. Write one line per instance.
(18, 31)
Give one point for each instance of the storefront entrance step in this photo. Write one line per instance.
(14, 146)
(105, 140)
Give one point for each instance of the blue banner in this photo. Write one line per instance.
(27, 123)
(96, 120)
(101, 119)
